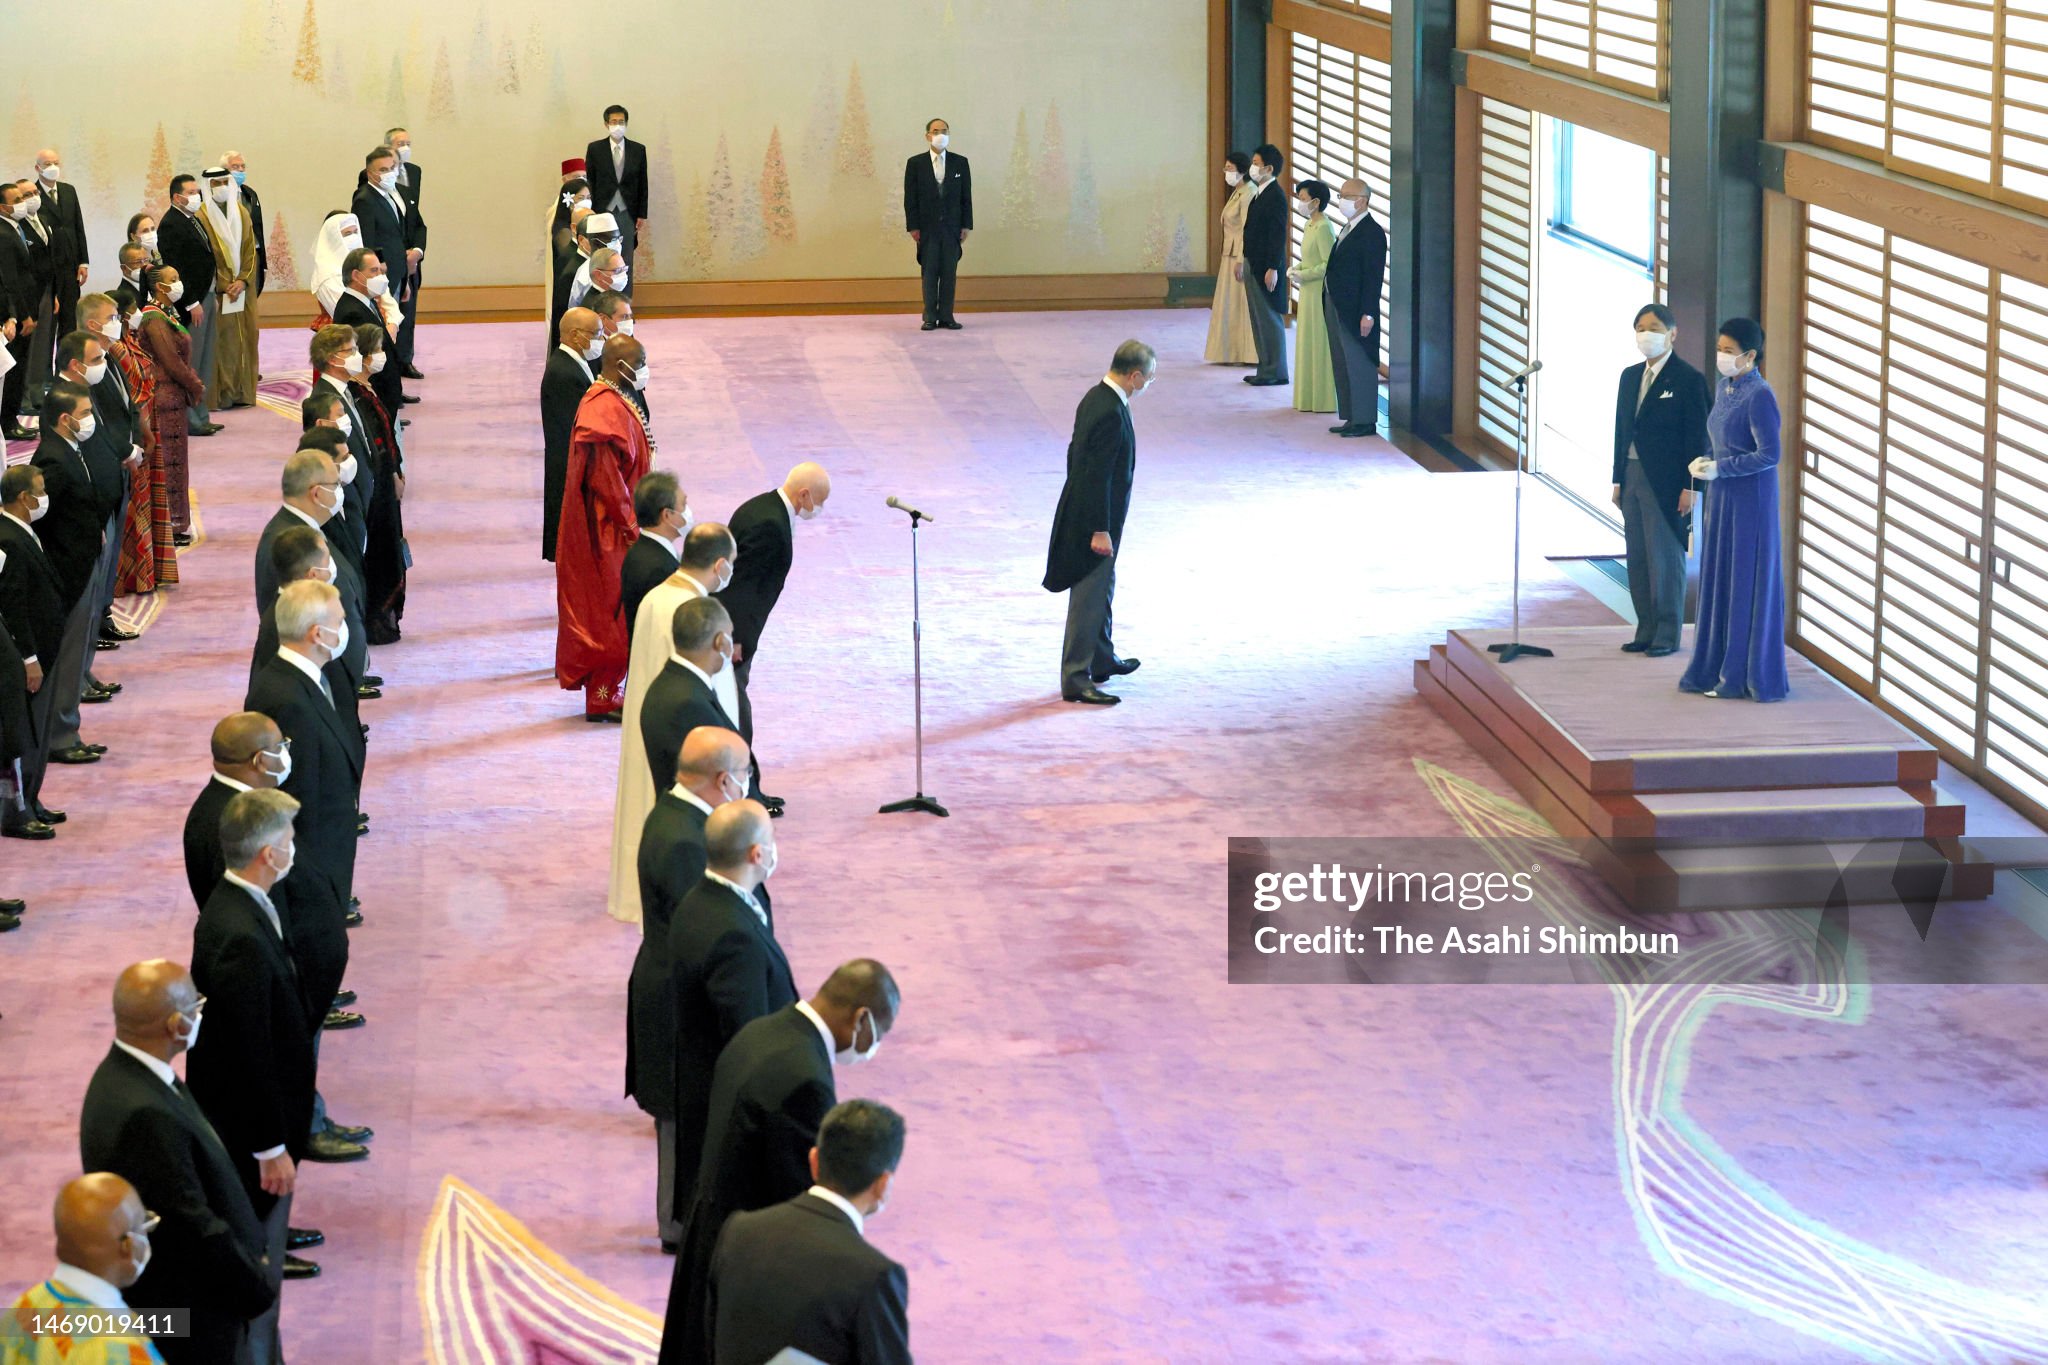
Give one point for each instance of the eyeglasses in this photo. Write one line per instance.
(150, 1222)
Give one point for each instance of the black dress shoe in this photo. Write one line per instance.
(14, 908)
(77, 753)
(28, 829)
(181, 539)
(1259, 383)
(771, 802)
(97, 748)
(1094, 696)
(1116, 670)
(351, 1133)
(110, 631)
(343, 999)
(408, 398)
(111, 689)
(410, 371)
(1634, 647)
(1358, 429)
(20, 434)
(669, 1248)
(341, 1019)
(104, 643)
(298, 1239)
(326, 1147)
(299, 1268)
(352, 919)
(950, 325)
(1659, 651)
(1339, 429)
(9, 922)
(928, 327)
(50, 817)
(365, 692)
(373, 679)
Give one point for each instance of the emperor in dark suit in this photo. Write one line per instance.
(938, 209)
(1660, 428)
(1088, 527)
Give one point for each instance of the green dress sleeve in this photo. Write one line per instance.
(1316, 240)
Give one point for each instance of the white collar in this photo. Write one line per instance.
(359, 294)
(300, 662)
(230, 782)
(831, 1043)
(89, 1286)
(1117, 389)
(838, 1201)
(753, 902)
(261, 897)
(682, 793)
(677, 658)
(674, 547)
(24, 526)
(157, 1064)
(1259, 186)
(788, 506)
(301, 515)
(568, 351)
(1652, 368)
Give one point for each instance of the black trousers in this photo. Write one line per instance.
(408, 312)
(16, 385)
(940, 259)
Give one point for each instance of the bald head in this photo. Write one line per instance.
(712, 758)
(858, 1003)
(807, 487)
(579, 325)
(241, 740)
(739, 843)
(99, 1219)
(151, 1001)
(622, 356)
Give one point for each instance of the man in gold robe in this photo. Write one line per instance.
(233, 238)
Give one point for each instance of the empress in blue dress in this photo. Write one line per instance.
(1739, 642)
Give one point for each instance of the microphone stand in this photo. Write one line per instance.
(1515, 649)
(920, 801)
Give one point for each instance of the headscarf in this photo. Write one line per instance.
(226, 218)
(332, 250)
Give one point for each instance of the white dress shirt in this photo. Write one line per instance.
(674, 545)
(788, 507)
(742, 892)
(838, 1201)
(682, 793)
(1122, 394)
(158, 1065)
(231, 784)
(803, 1007)
(309, 668)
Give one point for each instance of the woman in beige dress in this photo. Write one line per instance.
(1230, 319)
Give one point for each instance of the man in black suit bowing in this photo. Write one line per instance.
(662, 510)
(725, 968)
(73, 533)
(711, 771)
(140, 1122)
(938, 213)
(32, 604)
(1088, 527)
(616, 167)
(1351, 296)
(764, 529)
(1660, 428)
(800, 1274)
(682, 697)
(1264, 267)
(770, 1091)
(253, 1071)
(563, 383)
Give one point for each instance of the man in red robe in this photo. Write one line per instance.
(610, 450)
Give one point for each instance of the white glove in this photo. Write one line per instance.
(1705, 468)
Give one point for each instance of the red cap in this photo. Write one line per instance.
(573, 166)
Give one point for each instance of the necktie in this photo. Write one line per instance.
(1643, 392)
(326, 691)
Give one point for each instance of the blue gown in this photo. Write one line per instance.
(1739, 642)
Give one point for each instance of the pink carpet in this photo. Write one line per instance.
(1113, 1156)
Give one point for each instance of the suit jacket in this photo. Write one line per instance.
(1669, 432)
(344, 673)
(597, 160)
(677, 702)
(184, 246)
(798, 1274)
(204, 862)
(1102, 460)
(253, 1069)
(383, 232)
(119, 432)
(726, 970)
(932, 209)
(562, 386)
(1265, 234)
(65, 222)
(31, 595)
(353, 312)
(74, 528)
(1357, 270)
(326, 777)
(671, 864)
(254, 203)
(762, 531)
(19, 291)
(16, 738)
(207, 1253)
(649, 563)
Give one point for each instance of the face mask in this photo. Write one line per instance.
(110, 330)
(388, 179)
(377, 363)
(739, 785)
(329, 509)
(34, 203)
(1260, 175)
(19, 211)
(618, 132)
(939, 141)
(136, 1240)
(177, 290)
(378, 287)
(807, 513)
(53, 173)
(42, 507)
(770, 863)
(283, 771)
(191, 202)
(726, 581)
(221, 194)
(619, 278)
(133, 277)
(1729, 365)
(640, 378)
(1232, 178)
(148, 240)
(347, 470)
(340, 645)
(88, 427)
(405, 153)
(325, 575)
(191, 1040)
(241, 177)
(848, 1056)
(291, 856)
(96, 372)
(354, 364)
(595, 348)
(625, 324)
(1653, 344)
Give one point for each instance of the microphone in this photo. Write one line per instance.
(1526, 371)
(903, 506)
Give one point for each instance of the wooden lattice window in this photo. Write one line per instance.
(1620, 43)
(1342, 125)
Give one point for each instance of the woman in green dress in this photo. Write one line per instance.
(1315, 384)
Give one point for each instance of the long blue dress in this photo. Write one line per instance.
(1739, 643)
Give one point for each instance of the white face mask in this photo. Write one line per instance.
(1232, 178)
(939, 141)
(625, 326)
(640, 379)
(347, 470)
(807, 513)
(96, 372)
(177, 290)
(191, 1040)
(87, 428)
(354, 364)
(738, 789)
(617, 131)
(325, 575)
(291, 855)
(596, 346)
(329, 508)
(388, 180)
(1729, 365)
(405, 153)
(726, 581)
(283, 758)
(377, 363)
(1260, 175)
(619, 278)
(42, 507)
(378, 286)
(340, 645)
(34, 204)
(110, 330)
(137, 1240)
(223, 193)
(53, 173)
(848, 1056)
(1653, 344)
(148, 240)
(191, 202)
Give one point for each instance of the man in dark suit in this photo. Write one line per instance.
(364, 279)
(42, 254)
(18, 300)
(800, 1274)
(73, 533)
(1088, 527)
(764, 530)
(562, 385)
(616, 167)
(313, 493)
(711, 771)
(185, 247)
(771, 1089)
(249, 754)
(938, 213)
(662, 511)
(1351, 298)
(238, 166)
(725, 967)
(382, 211)
(32, 604)
(682, 697)
(410, 176)
(253, 1072)
(1660, 428)
(17, 742)
(140, 1122)
(70, 255)
(121, 423)
(1266, 253)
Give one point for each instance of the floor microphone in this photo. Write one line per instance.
(1527, 370)
(902, 506)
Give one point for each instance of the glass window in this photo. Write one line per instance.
(1605, 194)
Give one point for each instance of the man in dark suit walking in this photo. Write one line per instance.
(800, 1274)
(711, 771)
(1660, 428)
(249, 754)
(1264, 267)
(938, 213)
(769, 1093)
(1351, 297)
(73, 533)
(563, 383)
(141, 1122)
(683, 697)
(1088, 527)
(70, 254)
(253, 1073)
(32, 604)
(662, 511)
(616, 167)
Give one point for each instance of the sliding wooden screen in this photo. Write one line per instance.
(1619, 43)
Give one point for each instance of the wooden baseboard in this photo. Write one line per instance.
(771, 298)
